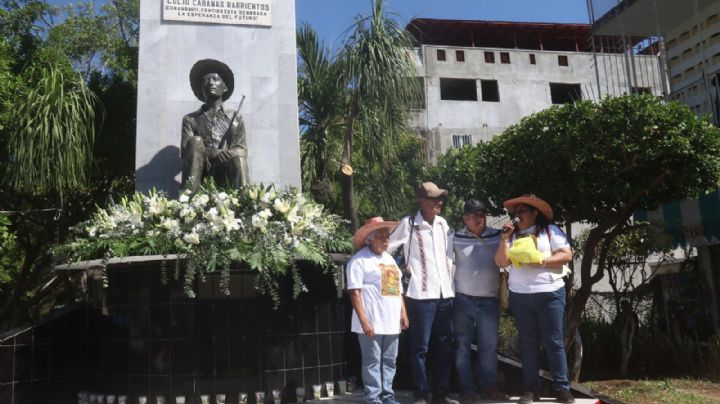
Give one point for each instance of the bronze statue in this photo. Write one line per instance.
(213, 141)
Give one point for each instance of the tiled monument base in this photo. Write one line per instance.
(142, 337)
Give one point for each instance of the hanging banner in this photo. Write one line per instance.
(249, 12)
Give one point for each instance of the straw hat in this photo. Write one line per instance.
(530, 200)
(202, 68)
(370, 226)
(430, 190)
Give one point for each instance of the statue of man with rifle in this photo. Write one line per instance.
(213, 142)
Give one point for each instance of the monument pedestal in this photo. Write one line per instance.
(263, 58)
(143, 337)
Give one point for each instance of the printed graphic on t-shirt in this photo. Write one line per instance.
(390, 280)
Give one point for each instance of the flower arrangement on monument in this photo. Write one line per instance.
(267, 229)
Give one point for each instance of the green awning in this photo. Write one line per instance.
(694, 222)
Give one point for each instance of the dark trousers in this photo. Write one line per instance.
(539, 319)
(196, 164)
(431, 332)
(479, 318)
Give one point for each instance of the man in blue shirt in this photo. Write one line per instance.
(477, 311)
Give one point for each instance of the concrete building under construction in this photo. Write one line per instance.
(479, 77)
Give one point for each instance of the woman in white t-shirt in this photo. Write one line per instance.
(537, 294)
(373, 282)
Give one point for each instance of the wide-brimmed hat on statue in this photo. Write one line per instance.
(430, 190)
(530, 200)
(202, 68)
(370, 226)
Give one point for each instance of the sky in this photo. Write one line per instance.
(331, 18)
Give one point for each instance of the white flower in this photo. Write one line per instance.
(281, 206)
(184, 198)
(269, 196)
(310, 211)
(191, 238)
(259, 222)
(171, 225)
(545, 129)
(222, 199)
(293, 216)
(231, 224)
(252, 193)
(135, 219)
(156, 205)
(188, 215)
(200, 201)
(265, 213)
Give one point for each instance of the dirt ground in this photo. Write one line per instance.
(674, 391)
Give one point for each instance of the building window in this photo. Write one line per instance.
(562, 60)
(489, 57)
(490, 90)
(505, 58)
(532, 59)
(562, 93)
(461, 140)
(640, 90)
(460, 56)
(441, 55)
(458, 89)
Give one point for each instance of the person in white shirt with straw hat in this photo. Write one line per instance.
(537, 291)
(373, 282)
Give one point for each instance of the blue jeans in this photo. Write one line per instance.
(430, 327)
(539, 318)
(477, 317)
(378, 365)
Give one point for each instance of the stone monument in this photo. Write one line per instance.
(255, 39)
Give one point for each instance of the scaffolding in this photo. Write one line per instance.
(684, 37)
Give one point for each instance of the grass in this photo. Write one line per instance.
(671, 391)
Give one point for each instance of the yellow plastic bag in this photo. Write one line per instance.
(524, 251)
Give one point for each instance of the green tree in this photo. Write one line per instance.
(322, 97)
(357, 100)
(23, 25)
(632, 260)
(379, 70)
(53, 174)
(596, 163)
(46, 175)
(52, 133)
(103, 39)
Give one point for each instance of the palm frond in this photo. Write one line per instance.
(53, 131)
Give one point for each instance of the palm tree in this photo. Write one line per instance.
(379, 71)
(52, 133)
(47, 156)
(322, 96)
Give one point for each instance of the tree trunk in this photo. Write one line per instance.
(627, 334)
(346, 180)
(348, 200)
(579, 300)
(576, 366)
